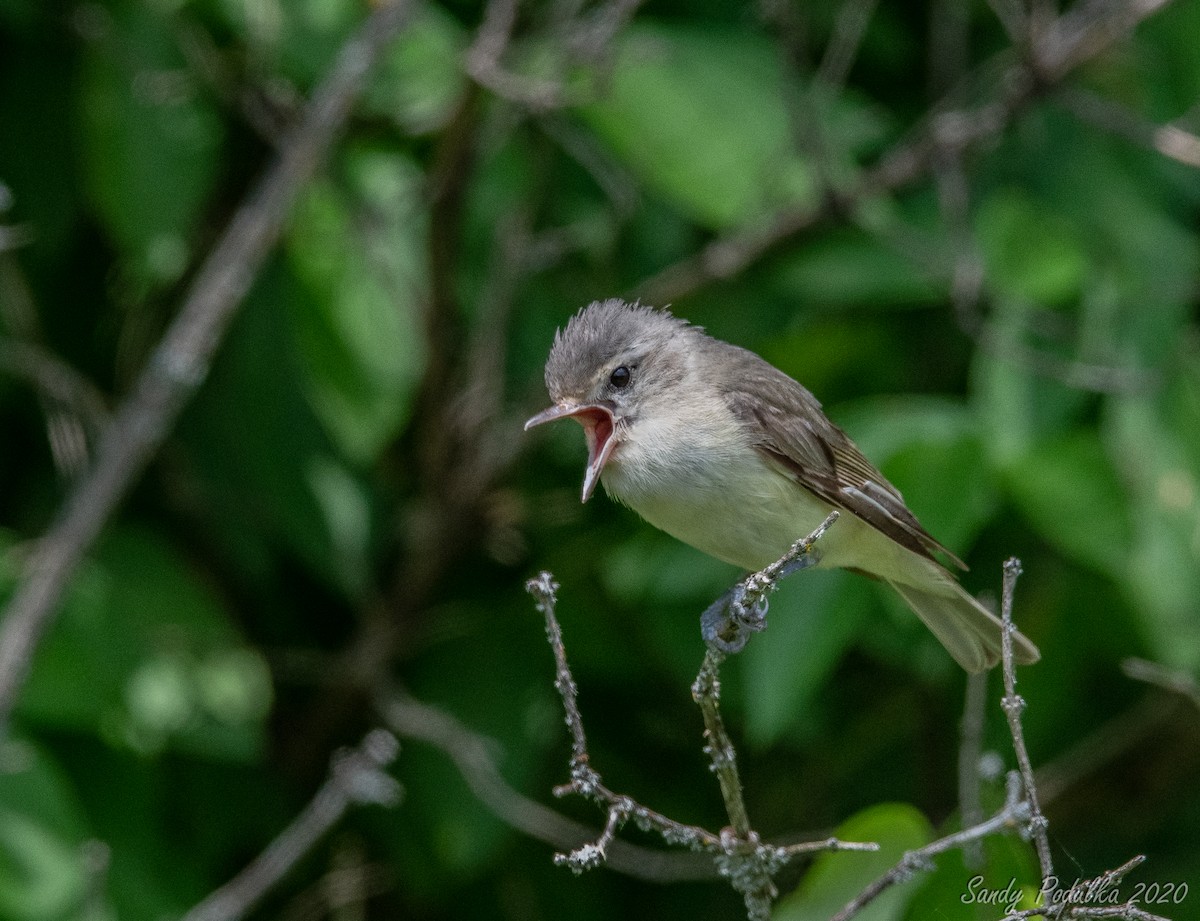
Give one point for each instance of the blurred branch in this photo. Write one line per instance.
(1124, 733)
(849, 29)
(180, 362)
(342, 891)
(356, 777)
(948, 41)
(267, 107)
(1170, 140)
(585, 39)
(458, 441)
(967, 294)
(483, 62)
(54, 379)
(947, 130)
(1177, 682)
(74, 408)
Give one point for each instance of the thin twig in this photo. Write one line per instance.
(180, 362)
(475, 757)
(1011, 817)
(357, 777)
(1021, 812)
(545, 592)
(585, 780)
(706, 691)
(1014, 705)
(1087, 899)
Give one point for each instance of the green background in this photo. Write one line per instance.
(350, 498)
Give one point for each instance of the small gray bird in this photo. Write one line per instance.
(710, 443)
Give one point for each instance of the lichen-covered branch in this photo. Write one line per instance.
(739, 853)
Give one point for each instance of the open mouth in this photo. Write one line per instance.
(598, 428)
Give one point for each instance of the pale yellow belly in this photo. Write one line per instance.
(750, 518)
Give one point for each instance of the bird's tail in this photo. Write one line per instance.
(969, 631)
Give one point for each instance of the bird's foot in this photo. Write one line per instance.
(731, 619)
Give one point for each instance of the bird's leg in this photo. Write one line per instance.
(728, 622)
(741, 611)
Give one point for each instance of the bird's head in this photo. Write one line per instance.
(612, 363)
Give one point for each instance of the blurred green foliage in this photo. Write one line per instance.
(350, 495)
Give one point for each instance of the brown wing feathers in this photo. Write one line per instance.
(790, 429)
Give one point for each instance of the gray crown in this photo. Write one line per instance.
(598, 334)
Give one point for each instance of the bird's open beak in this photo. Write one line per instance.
(598, 427)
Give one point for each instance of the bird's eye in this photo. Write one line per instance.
(620, 377)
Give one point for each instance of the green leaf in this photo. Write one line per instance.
(42, 838)
(1017, 409)
(1068, 490)
(814, 619)
(852, 270)
(420, 79)
(358, 253)
(272, 485)
(700, 114)
(837, 877)
(151, 140)
(1155, 437)
(930, 450)
(1029, 251)
(144, 655)
(1006, 879)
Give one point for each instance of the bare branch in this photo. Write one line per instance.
(180, 362)
(357, 777)
(1013, 816)
(1021, 813)
(1082, 900)
(706, 691)
(739, 853)
(1013, 706)
(585, 780)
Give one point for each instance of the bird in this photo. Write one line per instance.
(712, 444)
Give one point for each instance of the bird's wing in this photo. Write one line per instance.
(791, 431)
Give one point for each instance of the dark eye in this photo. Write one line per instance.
(620, 377)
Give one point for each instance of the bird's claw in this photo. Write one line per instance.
(729, 621)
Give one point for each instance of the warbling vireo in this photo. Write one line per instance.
(710, 443)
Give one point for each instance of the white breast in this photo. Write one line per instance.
(693, 473)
